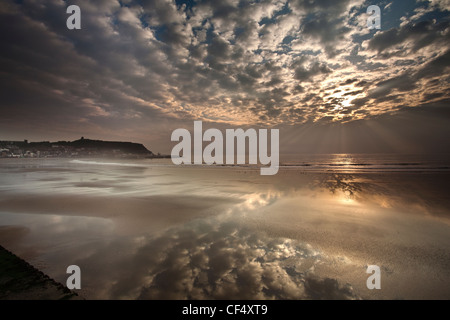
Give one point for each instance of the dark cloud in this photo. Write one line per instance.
(329, 6)
(401, 83)
(422, 34)
(328, 30)
(435, 67)
(348, 81)
(303, 73)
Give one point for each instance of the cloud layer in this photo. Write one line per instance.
(239, 62)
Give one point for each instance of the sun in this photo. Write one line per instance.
(341, 100)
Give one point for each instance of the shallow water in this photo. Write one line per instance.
(145, 229)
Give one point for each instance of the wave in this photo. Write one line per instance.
(107, 163)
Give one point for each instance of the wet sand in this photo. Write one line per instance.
(152, 232)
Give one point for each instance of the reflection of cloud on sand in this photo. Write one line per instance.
(222, 260)
(347, 183)
(327, 289)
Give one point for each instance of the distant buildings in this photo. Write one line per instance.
(5, 153)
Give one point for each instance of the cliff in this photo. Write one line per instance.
(100, 145)
(78, 148)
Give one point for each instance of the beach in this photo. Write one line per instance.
(146, 229)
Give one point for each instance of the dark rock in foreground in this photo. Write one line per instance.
(21, 281)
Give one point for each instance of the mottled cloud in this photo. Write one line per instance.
(234, 62)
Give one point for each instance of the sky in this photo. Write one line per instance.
(137, 70)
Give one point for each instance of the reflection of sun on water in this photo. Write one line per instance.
(346, 198)
(348, 201)
(343, 159)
